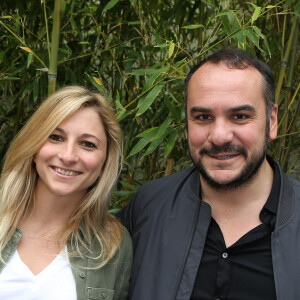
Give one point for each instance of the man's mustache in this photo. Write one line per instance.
(226, 148)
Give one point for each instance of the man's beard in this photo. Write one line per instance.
(246, 174)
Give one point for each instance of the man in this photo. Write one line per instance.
(229, 227)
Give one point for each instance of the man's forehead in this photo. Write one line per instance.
(210, 74)
(218, 84)
(223, 66)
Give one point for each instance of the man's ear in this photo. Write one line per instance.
(273, 122)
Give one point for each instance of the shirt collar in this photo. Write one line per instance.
(273, 199)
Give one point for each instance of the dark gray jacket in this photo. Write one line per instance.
(168, 223)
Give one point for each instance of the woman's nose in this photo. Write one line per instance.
(68, 153)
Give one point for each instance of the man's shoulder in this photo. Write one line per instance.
(287, 177)
(294, 182)
(171, 181)
(159, 191)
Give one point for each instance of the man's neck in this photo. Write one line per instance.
(237, 210)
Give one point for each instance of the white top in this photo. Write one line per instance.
(56, 281)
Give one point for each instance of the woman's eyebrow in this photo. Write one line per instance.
(84, 135)
(87, 135)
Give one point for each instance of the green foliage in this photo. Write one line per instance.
(138, 53)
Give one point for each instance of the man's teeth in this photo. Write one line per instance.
(225, 157)
(65, 172)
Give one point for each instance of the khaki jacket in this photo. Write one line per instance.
(110, 282)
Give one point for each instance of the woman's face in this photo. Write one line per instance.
(71, 159)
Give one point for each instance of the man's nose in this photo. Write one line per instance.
(220, 133)
(68, 153)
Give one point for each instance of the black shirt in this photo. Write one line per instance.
(244, 270)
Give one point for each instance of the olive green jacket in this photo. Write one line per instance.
(111, 282)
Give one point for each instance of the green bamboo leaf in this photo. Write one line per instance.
(114, 211)
(29, 59)
(297, 7)
(10, 78)
(193, 26)
(122, 113)
(267, 45)
(253, 5)
(149, 133)
(162, 129)
(146, 101)
(157, 141)
(157, 37)
(233, 20)
(153, 146)
(124, 193)
(97, 85)
(134, 54)
(253, 38)
(127, 185)
(110, 5)
(225, 24)
(239, 36)
(171, 48)
(134, 23)
(170, 143)
(258, 31)
(144, 72)
(175, 112)
(165, 45)
(35, 90)
(271, 6)
(139, 146)
(178, 64)
(149, 83)
(256, 14)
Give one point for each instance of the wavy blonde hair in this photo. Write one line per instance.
(19, 176)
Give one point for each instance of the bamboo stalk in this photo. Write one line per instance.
(52, 73)
(285, 59)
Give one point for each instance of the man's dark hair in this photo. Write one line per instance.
(240, 59)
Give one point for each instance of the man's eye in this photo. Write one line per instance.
(240, 117)
(204, 117)
(55, 137)
(89, 145)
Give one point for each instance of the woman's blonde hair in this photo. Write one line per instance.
(19, 176)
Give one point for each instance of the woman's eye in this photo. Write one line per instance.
(89, 145)
(55, 137)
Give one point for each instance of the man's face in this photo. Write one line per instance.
(226, 118)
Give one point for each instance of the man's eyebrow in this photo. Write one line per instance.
(196, 109)
(246, 107)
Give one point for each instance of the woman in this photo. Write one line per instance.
(57, 240)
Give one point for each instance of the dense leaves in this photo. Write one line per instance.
(137, 53)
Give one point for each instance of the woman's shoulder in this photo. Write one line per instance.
(125, 251)
(126, 241)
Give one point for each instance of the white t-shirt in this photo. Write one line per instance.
(56, 281)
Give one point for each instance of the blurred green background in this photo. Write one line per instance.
(137, 53)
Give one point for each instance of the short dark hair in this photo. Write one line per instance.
(239, 59)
